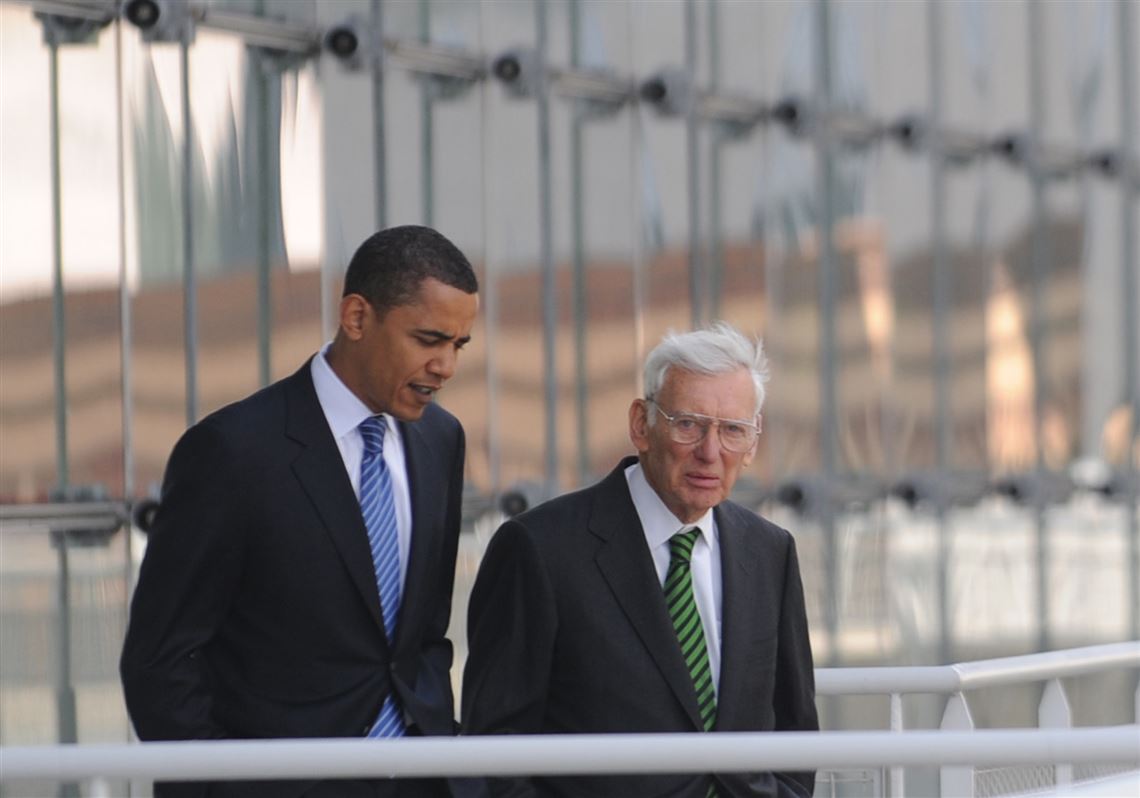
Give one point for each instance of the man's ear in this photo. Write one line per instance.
(639, 424)
(354, 312)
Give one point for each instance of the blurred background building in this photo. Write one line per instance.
(928, 210)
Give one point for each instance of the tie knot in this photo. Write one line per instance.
(681, 544)
(372, 430)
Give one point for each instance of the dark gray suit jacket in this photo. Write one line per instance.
(257, 613)
(569, 633)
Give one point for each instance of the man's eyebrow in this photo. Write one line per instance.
(440, 336)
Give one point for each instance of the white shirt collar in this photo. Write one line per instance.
(658, 520)
(343, 409)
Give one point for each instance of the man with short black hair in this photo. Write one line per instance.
(297, 581)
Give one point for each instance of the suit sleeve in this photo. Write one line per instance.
(188, 578)
(511, 627)
(794, 695)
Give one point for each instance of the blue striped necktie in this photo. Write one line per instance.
(379, 511)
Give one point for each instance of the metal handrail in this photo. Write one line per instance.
(981, 673)
(853, 128)
(103, 517)
(564, 754)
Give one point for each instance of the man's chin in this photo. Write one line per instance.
(409, 412)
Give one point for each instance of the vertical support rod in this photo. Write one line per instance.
(1130, 317)
(1039, 271)
(65, 703)
(59, 319)
(828, 405)
(957, 780)
(716, 151)
(189, 279)
(264, 216)
(637, 165)
(490, 292)
(65, 692)
(1054, 712)
(126, 340)
(379, 148)
(692, 160)
(546, 244)
(940, 320)
(897, 774)
(578, 225)
(126, 322)
(427, 128)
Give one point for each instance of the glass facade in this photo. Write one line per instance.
(928, 211)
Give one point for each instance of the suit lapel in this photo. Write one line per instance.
(627, 566)
(423, 470)
(740, 597)
(319, 469)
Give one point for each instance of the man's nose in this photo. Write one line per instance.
(709, 447)
(443, 365)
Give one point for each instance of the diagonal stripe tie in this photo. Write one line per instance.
(687, 623)
(379, 512)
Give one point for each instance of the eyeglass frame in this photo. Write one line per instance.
(705, 423)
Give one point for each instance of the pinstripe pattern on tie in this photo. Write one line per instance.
(687, 621)
(379, 511)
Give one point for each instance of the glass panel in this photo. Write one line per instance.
(153, 208)
(792, 425)
(63, 594)
(513, 307)
(665, 175)
(733, 163)
(969, 260)
(64, 611)
(88, 361)
(295, 317)
(227, 183)
(435, 177)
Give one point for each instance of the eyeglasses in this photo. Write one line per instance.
(689, 428)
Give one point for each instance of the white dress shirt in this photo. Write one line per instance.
(660, 525)
(344, 412)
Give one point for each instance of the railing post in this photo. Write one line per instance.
(897, 774)
(1054, 713)
(957, 782)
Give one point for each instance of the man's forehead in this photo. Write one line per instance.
(731, 387)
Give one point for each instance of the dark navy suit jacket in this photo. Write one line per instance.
(569, 633)
(257, 614)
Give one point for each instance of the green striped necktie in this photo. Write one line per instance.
(687, 621)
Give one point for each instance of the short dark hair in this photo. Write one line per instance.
(389, 267)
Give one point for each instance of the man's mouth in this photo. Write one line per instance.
(425, 390)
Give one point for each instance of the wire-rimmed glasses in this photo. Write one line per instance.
(735, 435)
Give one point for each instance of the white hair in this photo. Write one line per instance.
(717, 349)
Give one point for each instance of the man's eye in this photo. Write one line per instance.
(686, 423)
(734, 429)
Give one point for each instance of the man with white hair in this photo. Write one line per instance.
(650, 602)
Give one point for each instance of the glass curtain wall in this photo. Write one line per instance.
(927, 210)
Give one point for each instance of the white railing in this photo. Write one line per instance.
(571, 754)
(954, 680)
(957, 749)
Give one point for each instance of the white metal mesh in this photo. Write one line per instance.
(1012, 780)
